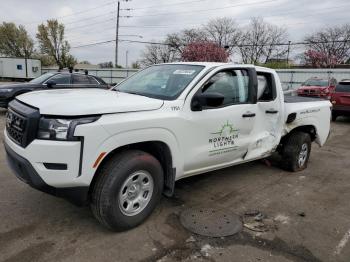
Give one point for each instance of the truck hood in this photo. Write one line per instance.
(76, 102)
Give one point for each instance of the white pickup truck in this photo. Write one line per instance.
(120, 149)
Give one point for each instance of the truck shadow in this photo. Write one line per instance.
(342, 120)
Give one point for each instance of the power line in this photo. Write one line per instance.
(175, 25)
(276, 15)
(87, 25)
(244, 45)
(120, 40)
(265, 16)
(160, 6)
(211, 9)
(292, 43)
(89, 18)
(94, 44)
(75, 13)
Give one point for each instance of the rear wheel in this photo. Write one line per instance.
(296, 151)
(127, 190)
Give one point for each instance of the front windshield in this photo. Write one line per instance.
(161, 81)
(316, 82)
(41, 79)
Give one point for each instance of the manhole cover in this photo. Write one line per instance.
(210, 222)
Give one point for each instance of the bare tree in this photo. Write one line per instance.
(158, 53)
(260, 41)
(332, 42)
(224, 32)
(15, 41)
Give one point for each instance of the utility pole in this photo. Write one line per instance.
(288, 51)
(117, 36)
(126, 58)
(26, 64)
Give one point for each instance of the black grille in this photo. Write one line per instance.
(15, 126)
(22, 123)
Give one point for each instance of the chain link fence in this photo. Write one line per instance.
(291, 78)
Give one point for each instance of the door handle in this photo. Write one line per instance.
(271, 111)
(248, 115)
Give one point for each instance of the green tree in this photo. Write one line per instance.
(106, 65)
(69, 60)
(52, 43)
(15, 41)
(45, 59)
(135, 65)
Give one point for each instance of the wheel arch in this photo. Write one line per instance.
(309, 129)
(158, 149)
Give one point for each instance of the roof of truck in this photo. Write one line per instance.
(214, 64)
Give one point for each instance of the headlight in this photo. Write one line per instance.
(61, 129)
(5, 90)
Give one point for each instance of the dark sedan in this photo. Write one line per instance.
(57, 80)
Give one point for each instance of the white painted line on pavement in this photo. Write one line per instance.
(342, 243)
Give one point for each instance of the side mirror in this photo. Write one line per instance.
(50, 83)
(206, 99)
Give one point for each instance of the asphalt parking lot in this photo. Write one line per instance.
(306, 216)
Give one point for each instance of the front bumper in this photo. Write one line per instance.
(24, 170)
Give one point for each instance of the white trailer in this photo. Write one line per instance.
(19, 68)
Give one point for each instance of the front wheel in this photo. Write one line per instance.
(127, 190)
(296, 151)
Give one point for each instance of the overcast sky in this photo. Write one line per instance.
(89, 21)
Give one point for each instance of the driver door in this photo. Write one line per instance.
(221, 135)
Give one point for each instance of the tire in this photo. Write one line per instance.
(334, 117)
(122, 197)
(296, 151)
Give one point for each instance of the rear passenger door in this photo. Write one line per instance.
(269, 115)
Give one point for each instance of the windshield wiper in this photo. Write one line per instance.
(133, 93)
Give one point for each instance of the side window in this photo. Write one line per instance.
(81, 80)
(266, 87)
(232, 84)
(93, 81)
(61, 79)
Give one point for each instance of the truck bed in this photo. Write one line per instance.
(300, 99)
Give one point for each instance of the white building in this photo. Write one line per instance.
(19, 68)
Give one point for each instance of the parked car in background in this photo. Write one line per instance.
(318, 87)
(341, 99)
(56, 80)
